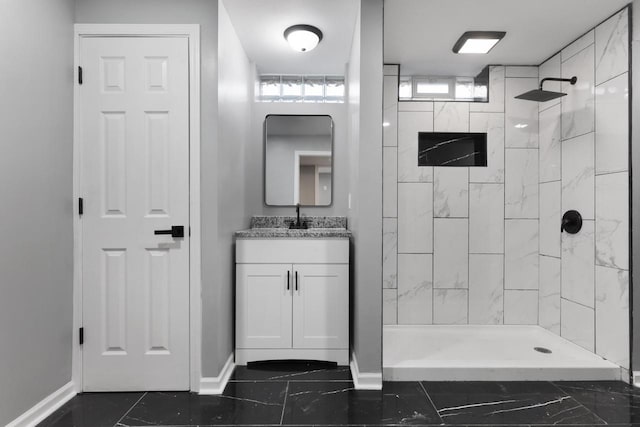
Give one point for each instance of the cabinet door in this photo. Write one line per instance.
(263, 306)
(321, 306)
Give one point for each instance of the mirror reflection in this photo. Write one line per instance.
(298, 160)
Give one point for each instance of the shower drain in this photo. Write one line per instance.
(542, 350)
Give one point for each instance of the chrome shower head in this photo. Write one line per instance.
(541, 95)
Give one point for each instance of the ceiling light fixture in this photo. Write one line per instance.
(303, 38)
(478, 41)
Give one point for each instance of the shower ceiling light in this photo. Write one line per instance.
(303, 38)
(478, 41)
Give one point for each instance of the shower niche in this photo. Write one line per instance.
(452, 149)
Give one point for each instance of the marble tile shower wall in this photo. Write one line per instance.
(461, 243)
(584, 145)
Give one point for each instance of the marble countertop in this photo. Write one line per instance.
(285, 233)
(277, 227)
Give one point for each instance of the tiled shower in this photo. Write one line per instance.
(482, 245)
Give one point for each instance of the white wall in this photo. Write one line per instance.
(460, 244)
(365, 185)
(584, 165)
(36, 267)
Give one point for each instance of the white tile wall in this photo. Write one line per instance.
(550, 68)
(415, 217)
(451, 192)
(451, 116)
(486, 218)
(612, 125)
(612, 47)
(521, 183)
(578, 45)
(496, 92)
(389, 306)
(520, 307)
(409, 124)
(578, 265)
(521, 127)
(389, 182)
(612, 220)
(493, 125)
(578, 106)
(389, 252)
(451, 252)
(550, 218)
(612, 315)
(578, 175)
(550, 293)
(486, 293)
(578, 324)
(521, 254)
(450, 306)
(522, 71)
(550, 147)
(415, 289)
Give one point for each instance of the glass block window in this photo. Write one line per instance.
(447, 88)
(274, 88)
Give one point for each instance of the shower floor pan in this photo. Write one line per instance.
(487, 353)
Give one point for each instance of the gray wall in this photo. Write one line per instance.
(255, 167)
(234, 107)
(216, 340)
(36, 266)
(365, 80)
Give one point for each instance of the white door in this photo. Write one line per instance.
(135, 180)
(263, 305)
(321, 306)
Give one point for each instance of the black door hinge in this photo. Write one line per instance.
(80, 206)
(79, 75)
(81, 335)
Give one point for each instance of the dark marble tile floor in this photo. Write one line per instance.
(305, 394)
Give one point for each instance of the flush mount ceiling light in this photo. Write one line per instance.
(478, 41)
(303, 38)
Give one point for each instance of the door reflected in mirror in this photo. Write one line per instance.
(298, 160)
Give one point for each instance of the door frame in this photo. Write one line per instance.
(192, 33)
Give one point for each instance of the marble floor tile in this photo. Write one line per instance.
(92, 409)
(241, 403)
(340, 404)
(500, 403)
(613, 401)
(291, 371)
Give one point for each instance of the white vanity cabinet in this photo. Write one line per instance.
(292, 299)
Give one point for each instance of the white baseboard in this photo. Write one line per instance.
(216, 385)
(364, 380)
(45, 407)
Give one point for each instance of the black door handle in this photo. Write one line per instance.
(176, 231)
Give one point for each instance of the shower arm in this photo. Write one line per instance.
(572, 80)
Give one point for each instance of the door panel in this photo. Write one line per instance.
(321, 306)
(263, 306)
(135, 179)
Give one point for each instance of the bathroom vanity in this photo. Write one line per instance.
(292, 291)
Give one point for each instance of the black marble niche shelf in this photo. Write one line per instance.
(452, 149)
